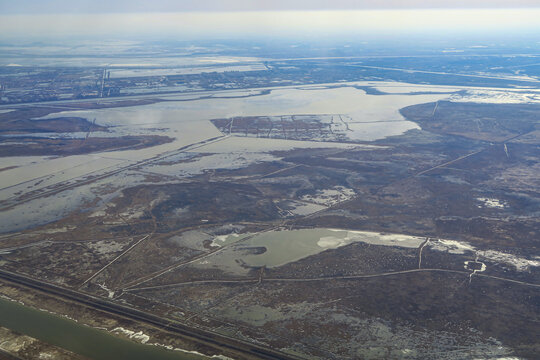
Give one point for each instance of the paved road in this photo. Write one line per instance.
(243, 349)
(328, 278)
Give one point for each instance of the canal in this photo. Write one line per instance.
(84, 340)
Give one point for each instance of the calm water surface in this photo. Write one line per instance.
(80, 339)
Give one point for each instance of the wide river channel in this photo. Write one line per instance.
(80, 339)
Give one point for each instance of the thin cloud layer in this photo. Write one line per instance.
(271, 24)
(128, 6)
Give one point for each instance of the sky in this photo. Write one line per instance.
(196, 19)
(126, 6)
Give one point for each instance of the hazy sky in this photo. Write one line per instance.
(106, 6)
(192, 19)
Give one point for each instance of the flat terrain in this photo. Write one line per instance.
(405, 225)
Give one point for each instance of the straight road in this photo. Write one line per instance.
(243, 349)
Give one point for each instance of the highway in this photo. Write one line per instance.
(242, 349)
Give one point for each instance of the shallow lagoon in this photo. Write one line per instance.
(281, 247)
(288, 246)
(188, 123)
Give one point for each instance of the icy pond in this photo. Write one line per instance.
(280, 247)
(188, 123)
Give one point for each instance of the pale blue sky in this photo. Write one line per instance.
(194, 19)
(108, 6)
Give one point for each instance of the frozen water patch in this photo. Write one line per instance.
(235, 153)
(386, 239)
(133, 213)
(331, 242)
(42, 211)
(140, 336)
(104, 247)
(143, 339)
(47, 209)
(491, 203)
(188, 123)
(222, 240)
(264, 145)
(170, 347)
(206, 162)
(497, 97)
(302, 208)
(329, 197)
(110, 293)
(467, 265)
(519, 263)
(128, 73)
(192, 239)
(451, 246)
(52, 171)
(461, 247)
(361, 131)
(406, 88)
(56, 230)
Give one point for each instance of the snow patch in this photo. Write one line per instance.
(466, 266)
(452, 246)
(110, 293)
(57, 230)
(491, 203)
(140, 336)
(329, 197)
(497, 97)
(330, 242)
(460, 247)
(373, 238)
(519, 263)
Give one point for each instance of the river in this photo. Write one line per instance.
(84, 340)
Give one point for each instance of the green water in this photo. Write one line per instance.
(80, 339)
(286, 246)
